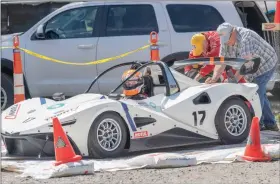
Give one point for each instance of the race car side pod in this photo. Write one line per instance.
(154, 46)
(19, 94)
(64, 151)
(253, 151)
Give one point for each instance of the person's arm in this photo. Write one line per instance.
(189, 67)
(245, 53)
(214, 44)
(218, 69)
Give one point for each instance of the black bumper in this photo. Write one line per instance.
(31, 145)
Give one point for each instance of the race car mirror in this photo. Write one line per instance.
(58, 96)
(245, 66)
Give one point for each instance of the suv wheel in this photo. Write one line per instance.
(7, 91)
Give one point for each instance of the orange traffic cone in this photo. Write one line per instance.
(277, 12)
(154, 46)
(64, 151)
(19, 94)
(253, 151)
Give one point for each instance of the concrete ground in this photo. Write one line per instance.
(237, 173)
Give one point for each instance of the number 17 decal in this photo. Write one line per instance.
(203, 113)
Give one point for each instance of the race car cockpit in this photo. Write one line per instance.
(145, 78)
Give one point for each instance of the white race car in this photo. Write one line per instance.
(181, 112)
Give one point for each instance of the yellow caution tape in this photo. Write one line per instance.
(80, 64)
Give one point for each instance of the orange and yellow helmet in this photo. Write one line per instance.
(197, 43)
(134, 85)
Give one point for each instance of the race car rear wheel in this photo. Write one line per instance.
(107, 136)
(233, 121)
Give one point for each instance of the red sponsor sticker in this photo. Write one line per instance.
(269, 26)
(141, 134)
(13, 112)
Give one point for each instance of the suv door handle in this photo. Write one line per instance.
(89, 46)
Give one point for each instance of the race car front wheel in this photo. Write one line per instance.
(233, 121)
(107, 136)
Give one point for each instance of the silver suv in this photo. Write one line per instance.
(88, 31)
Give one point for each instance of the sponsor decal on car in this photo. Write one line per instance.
(13, 112)
(144, 104)
(150, 105)
(59, 113)
(28, 119)
(154, 107)
(31, 111)
(55, 106)
(141, 134)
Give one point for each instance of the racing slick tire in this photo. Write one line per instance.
(233, 121)
(7, 91)
(107, 136)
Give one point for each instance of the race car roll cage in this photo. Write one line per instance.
(170, 82)
(245, 67)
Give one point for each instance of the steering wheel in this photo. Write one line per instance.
(55, 34)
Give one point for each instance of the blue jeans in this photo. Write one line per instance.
(267, 118)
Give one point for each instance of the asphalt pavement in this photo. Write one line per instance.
(236, 173)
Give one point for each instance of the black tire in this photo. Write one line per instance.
(224, 134)
(7, 91)
(94, 148)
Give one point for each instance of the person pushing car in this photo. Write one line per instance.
(205, 44)
(244, 43)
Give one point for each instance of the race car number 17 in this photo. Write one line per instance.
(202, 117)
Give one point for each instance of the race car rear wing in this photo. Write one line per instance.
(244, 66)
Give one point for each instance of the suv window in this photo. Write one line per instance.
(74, 23)
(127, 20)
(14, 14)
(194, 18)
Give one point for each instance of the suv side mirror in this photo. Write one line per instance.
(40, 32)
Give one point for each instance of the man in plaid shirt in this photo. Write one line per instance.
(244, 43)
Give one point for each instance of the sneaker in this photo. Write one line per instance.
(272, 127)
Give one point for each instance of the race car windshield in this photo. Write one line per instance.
(169, 81)
(139, 67)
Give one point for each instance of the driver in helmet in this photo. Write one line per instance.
(138, 87)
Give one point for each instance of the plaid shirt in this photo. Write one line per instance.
(249, 43)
